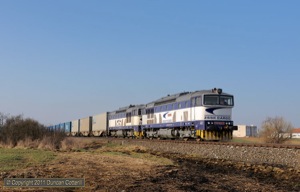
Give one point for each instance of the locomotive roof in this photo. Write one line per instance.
(127, 109)
(183, 96)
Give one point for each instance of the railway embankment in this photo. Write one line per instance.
(266, 156)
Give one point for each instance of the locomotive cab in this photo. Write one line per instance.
(217, 115)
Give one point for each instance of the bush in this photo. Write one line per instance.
(276, 130)
(17, 131)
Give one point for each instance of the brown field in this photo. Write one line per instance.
(113, 167)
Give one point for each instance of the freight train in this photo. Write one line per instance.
(200, 115)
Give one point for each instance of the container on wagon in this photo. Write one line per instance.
(75, 127)
(61, 127)
(56, 127)
(68, 126)
(85, 126)
(99, 126)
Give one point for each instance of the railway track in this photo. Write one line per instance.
(233, 144)
(194, 142)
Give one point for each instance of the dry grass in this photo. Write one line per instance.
(27, 143)
(261, 140)
(75, 143)
(111, 150)
(293, 142)
(46, 142)
(247, 140)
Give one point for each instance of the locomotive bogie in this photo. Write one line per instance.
(170, 133)
(214, 135)
(187, 133)
(122, 133)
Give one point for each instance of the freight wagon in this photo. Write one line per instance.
(100, 124)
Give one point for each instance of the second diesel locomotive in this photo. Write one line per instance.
(200, 115)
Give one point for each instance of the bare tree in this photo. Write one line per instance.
(17, 128)
(3, 117)
(276, 130)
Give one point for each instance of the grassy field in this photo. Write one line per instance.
(11, 159)
(20, 158)
(109, 166)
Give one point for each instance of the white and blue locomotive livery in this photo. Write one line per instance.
(125, 122)
(200, 115)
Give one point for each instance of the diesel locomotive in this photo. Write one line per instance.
(201, 115)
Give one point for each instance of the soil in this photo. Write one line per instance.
(104, 172)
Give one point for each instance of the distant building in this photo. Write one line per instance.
(246, 131)
(296, 133)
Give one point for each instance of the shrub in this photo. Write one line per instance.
(17, 131)
(275, 130)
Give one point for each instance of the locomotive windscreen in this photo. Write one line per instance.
(218, 100)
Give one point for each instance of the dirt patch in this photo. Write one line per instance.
(129, 168)
(192, 174)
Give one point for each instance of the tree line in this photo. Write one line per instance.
(17, 129)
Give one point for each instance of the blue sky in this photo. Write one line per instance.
(64, 60)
